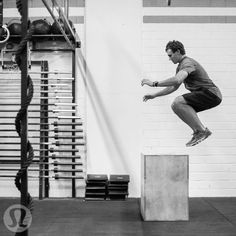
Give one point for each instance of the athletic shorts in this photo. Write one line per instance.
(201, 100)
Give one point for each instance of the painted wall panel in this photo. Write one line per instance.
(113, 49)
(190, 3)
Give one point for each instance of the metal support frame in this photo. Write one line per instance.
(24, 121)
(64, 17)
(44, 182)
(58, 23)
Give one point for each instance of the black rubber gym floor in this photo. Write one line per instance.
(75, 217)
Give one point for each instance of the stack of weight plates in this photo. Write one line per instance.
(96, 187)
(118, 187)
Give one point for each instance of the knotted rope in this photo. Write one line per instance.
(24, 224)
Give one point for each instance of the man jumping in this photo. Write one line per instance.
(204, 94)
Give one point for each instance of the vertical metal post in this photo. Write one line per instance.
(73, 121)
(46, 134)
(66, 8)
(24, 122)
(1, 12)
(44, 153)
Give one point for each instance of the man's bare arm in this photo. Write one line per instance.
(160, 93)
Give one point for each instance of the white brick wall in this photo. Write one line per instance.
(213, 162)
(212, 170)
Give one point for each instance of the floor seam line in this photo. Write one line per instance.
(220, 213)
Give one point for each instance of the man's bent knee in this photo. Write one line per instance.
(178, 103)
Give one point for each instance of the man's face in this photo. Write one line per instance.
(174, 56)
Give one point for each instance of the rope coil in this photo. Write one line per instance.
(19, 117)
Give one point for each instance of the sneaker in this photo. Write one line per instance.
(200, 136)
(189, 143)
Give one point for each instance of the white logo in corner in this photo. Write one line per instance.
(12, 216)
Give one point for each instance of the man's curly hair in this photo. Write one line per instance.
(175, 46)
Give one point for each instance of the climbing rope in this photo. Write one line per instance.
(24, 224)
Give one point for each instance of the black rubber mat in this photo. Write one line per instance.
(75, 217)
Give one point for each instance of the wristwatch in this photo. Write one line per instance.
(155, 84)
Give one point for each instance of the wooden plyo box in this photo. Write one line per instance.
(164, 187)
